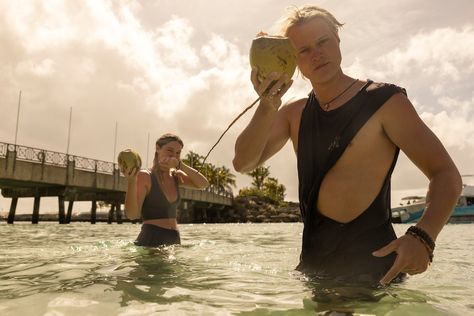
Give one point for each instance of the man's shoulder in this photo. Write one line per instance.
(381, 94)
(378, 88)
(292, 110)
(294, 105)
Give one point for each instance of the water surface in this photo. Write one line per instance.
(220, 269)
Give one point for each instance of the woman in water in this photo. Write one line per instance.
(154, 196)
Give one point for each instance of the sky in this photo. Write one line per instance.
(151, 67)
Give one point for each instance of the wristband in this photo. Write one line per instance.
(422, 234)
(428, 249)
(424, 238)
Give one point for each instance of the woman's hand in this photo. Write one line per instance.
(169, 163)
(130, 174)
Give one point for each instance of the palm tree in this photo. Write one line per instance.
(225, 179)
(274, 190)
(259, 175)
(218, 177)
(194, 160)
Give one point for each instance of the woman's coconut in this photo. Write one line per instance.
(129, 159)
(272, 54)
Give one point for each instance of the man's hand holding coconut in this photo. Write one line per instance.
(273, 64)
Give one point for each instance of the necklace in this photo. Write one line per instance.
(326, 105)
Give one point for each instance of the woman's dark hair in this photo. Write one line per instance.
(168, 138)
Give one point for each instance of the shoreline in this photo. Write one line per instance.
(250, 209)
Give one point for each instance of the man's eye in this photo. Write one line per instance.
(321, 42)
(304, 50)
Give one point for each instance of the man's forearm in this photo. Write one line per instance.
(251, 142)
(444, 190)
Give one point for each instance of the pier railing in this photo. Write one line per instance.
(58, 159)
(53, 158)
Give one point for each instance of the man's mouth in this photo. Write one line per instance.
(320, 66)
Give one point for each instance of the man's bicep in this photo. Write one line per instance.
(407, 131)
(279, 135)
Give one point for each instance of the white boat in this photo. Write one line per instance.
(412, 207)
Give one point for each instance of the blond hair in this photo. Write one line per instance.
(298, 16)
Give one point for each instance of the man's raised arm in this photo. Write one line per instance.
(268, 129)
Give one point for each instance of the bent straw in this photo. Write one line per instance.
(230, 125)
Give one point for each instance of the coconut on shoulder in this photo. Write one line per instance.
(129, 159)
(272, 54)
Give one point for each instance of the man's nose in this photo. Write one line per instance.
(316, 53)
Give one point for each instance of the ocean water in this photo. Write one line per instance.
(220, 269)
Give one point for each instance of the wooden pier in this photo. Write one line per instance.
(27, 172)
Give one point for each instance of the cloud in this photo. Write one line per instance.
(43, 68)
(97, 58)
(437, 53)
(435, 63)
(455, 129)
(155, 68)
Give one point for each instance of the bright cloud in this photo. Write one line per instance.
(445, 54)
(455, 124)
(158, 67)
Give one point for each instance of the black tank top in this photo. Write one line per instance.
(156, 205)
(332, 249)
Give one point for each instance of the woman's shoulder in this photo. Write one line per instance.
(144, 172)
(144, 175)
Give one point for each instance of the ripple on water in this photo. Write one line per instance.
(219, 269)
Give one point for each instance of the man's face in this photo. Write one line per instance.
(317, 50)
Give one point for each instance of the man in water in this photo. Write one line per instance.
(347, 135)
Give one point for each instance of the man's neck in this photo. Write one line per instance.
(326, 91)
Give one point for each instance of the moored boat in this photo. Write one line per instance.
(412, 207)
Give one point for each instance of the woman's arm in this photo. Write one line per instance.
(191, 177)
(137, 185)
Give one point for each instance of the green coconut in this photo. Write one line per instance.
(272, 54)
(129, 159)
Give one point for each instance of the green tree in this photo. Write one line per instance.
(259, 175)
(209, 171)
(194, 160)
(264, 186)
(274, 190)
(225, 179)
(218, 177)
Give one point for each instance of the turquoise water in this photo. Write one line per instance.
(220, 269)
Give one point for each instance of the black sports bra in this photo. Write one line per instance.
(156, 205)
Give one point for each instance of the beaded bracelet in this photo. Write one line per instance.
(425, 239)
(428, 249)
(422, 234)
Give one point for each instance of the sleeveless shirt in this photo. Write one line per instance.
(332, 249)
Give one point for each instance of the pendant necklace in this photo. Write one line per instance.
(326, 105)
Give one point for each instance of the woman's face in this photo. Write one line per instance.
(169, 150)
